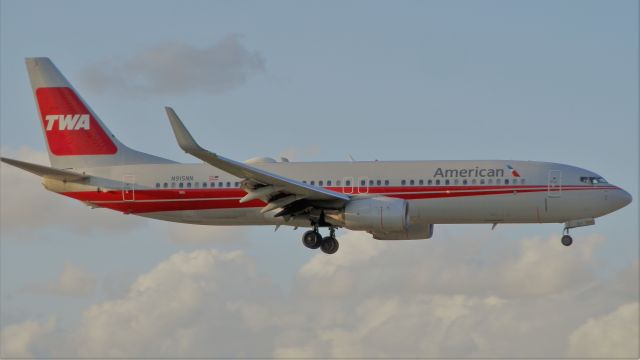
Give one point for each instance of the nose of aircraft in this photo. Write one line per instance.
(621, 198)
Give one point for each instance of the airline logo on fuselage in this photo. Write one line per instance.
(474, 172)
(464, 173)
(68, 122)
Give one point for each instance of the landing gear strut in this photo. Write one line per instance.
(566, 238)
(313, 240)
(330, 244)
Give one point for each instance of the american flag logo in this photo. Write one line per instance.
(514, 173)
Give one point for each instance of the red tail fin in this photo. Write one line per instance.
(75, 136)
(69, 126)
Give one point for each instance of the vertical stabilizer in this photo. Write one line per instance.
(75, 135)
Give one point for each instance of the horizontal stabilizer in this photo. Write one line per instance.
(46, 171)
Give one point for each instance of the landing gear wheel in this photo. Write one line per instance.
(312, 239)
(566, 240)
(329, 245)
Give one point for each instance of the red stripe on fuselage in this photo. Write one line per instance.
(157, 200)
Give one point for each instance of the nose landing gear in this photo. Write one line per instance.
(566, 239)
(313, 240)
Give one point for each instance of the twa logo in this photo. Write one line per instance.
(68, 125)
(68, 122)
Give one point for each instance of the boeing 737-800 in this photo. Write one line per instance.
(391, 200)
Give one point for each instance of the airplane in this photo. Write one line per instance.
(391, 200)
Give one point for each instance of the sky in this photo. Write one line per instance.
(401, 80)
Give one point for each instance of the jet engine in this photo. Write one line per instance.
(384, 217)
(413, 232)
(379, 214)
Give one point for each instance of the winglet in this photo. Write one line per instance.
(184, 138)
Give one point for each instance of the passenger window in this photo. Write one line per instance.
(189, 185)
(348, 183)
(522, 181)
(506, 181)
(363, 182)
(313, 182)
(181, 185)
(481, 181)
(157, 185)
(464, 182)
(204, 184)
(411, 182)
(320, 183)
(370, 182)
(438, 182)
(237, 184)
(165, 185)
(220, 184)
(420, 182)
(498, 181)
(403, 182)
(446, 182)
(228, 184)
(455, 181)
(490, 181)
(386, 182)
(173, 185)
(196, 184)
(473, 181)
(429, 182)
(378, 182)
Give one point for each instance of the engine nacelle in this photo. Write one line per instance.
(377, 215)
(413, 232)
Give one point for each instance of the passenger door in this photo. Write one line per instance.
(554, 185)
(363, 185)
(128, 188)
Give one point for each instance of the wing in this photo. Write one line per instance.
(46, 171)
(278, 191)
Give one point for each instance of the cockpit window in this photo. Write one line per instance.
(592, 180)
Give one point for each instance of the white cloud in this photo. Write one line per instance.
(177, 67)
(463, 298)
(359, 251)
(193, 304)
(533, 266)
(28, 210)
(72, 281)
(371, 299)
(21, 340)
(614, 335)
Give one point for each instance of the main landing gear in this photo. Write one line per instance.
(566, 239)
(313, 240)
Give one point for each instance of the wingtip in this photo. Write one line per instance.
(6, 160)
(184, 138)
